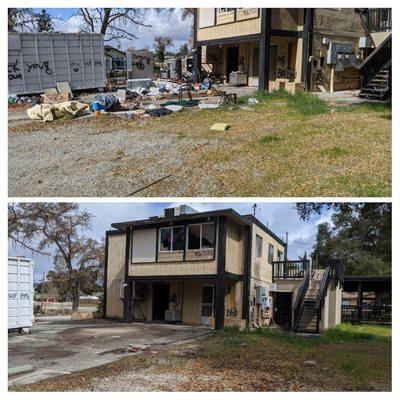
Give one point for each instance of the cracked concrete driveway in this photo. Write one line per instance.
(58, 346)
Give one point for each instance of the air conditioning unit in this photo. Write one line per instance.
(176, 211)
(266, 303)
(261, 293)
(173, 316)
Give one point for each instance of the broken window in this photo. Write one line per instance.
(172, 238)
(201, 236)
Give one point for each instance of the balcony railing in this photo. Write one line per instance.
(379, 19)
(367, 313)
(290, 269)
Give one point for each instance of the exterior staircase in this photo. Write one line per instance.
(308, 319)
(379, 86)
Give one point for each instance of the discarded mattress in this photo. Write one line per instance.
(51, 112)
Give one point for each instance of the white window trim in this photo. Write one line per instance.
(172, 239)
(201, 236)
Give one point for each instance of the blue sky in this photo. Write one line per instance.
(163, 24)
(280, 218)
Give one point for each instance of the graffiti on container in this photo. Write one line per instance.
(14, 71)
(12, 296)
(76, 66)
(140, 61)
(231, 312)
(43, 65)
(96, 63)
(24, 296)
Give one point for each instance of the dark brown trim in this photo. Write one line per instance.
(255, 37)
(252, 218)
(197, 277)
(247, 275)
(105, 276)
(307, 35)
(285, 33)
(265, 43)
(221, 265)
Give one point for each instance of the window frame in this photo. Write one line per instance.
(201, 235)
(226, 10)
(172, 238)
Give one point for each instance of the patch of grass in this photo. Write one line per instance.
(334, 152)
(306, 103)
(270, 138)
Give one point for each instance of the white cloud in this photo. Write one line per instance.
(162, 24)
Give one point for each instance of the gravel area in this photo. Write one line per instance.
(95, 157)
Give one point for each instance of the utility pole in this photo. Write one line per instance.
(286, 247)
(254, 209)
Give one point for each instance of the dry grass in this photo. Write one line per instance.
(285, 146)
(277, 151)
(347, 359)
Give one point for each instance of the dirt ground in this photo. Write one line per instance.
(346, 359)
(58, 346)
(270, 150)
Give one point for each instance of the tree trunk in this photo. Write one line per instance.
(104, 24)
(75, 299)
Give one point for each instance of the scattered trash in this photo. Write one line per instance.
(105, 102)
(51, 112)
(183, 103)
(253, 100)
(311, 363)
(219, 126)
(158, 112)
(64, 87)
(174, 108)
(56, 97)
(206, 84)
(208, 105)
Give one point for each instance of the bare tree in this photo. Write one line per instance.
(21, 19)
(56, 229)
(114, 23)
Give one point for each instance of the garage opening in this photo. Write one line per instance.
(160, 301)
(283, 309)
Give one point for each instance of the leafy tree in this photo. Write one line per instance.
(56, 229)
(113, 23)
(183, 50)
(360, 235)
(44, 22)
(21, 19)
(161, 43)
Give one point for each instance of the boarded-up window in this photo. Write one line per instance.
(144, 245)
(270, 253)
(206, 17)
(259, 246)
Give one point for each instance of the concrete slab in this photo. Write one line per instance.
(59, 346)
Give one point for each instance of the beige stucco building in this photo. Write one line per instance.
(216, 268)
(288, 48)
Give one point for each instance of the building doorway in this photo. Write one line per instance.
(160, 300)
(232, 60)
(283, 309)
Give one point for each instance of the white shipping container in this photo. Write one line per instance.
(37, 61)
(20, 292)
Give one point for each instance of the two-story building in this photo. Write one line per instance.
(216, 268)
(288, 48)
